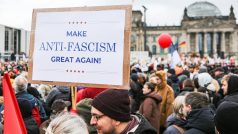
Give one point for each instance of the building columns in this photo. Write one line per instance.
(214, 43)
(234, 41)
(196, 42)
(188, 43)
(223, 45)
(205, 43)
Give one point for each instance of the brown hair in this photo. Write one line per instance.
(151, 86)
(188, 83)
(225, 78)
(197, 100)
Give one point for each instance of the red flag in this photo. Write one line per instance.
(13, 122)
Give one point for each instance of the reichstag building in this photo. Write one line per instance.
(203, 28)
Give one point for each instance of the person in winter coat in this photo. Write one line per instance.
(226, 114)
(188, 86)
(30, 123)
(174, 81)
(58, 92)
(111, 114)
(150, 107)
(208, 85)
(83, 109)
(58, 107)
(226, 119)
(33, 91)
(176, 122)
(167, 94)
(230, 88)
(138, 81)
(20, 87)
(200, 116)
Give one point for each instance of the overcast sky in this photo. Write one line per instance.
(18, 13)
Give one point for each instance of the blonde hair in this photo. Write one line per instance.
(44, 90)
(67, 123)
(225, 78)
(152, 79)
(178, 106)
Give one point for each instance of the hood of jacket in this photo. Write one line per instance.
(232, 84)
(155, 96)
(63, 89)
(173, 78)
(201, 119)
(162, 75)
(173, 120)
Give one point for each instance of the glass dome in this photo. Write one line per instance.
(203, 8)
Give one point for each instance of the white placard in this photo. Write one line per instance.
(136, 56)
(79, 47)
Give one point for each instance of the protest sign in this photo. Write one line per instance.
(86, 46)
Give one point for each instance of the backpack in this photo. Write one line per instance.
(36, 115)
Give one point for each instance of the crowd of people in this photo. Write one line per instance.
(195, 97)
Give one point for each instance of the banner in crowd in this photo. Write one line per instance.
(136, 56)
(86, 46)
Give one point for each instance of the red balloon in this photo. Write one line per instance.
(164, 40)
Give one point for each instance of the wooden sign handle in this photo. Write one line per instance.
(73, 97)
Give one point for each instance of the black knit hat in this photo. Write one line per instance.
(226, 118)
(114, 103)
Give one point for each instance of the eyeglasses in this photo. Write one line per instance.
(97, 117)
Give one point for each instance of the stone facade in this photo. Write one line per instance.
(13, 40)
(205, 34)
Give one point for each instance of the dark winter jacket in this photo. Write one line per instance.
(150, 108)
(31, 126)
(23, 95)
(201, 121)
(143, 126)
(173, 120)
(137, 95)
(60, 92)
(26, 107)
(185, 90)
(174, 84)
(232, 97)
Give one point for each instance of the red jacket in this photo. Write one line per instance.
(88, 93)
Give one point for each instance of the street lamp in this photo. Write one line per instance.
(144, 26)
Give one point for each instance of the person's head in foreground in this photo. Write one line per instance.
(111, 114)
(110, 110)
(67, 123)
